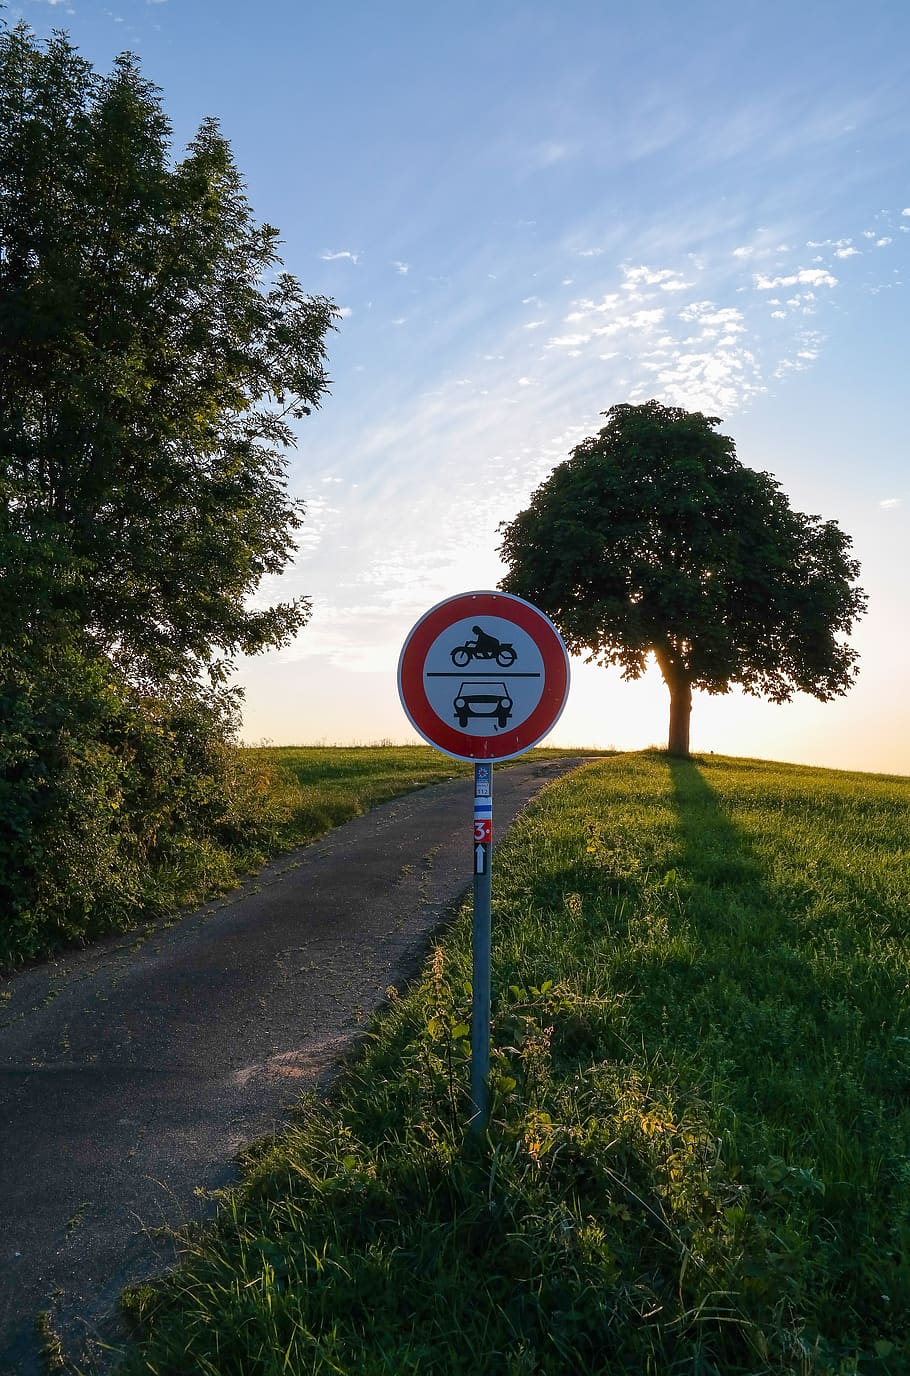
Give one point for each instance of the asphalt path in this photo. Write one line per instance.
(132, 1073)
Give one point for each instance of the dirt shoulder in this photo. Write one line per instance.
(133, 1072)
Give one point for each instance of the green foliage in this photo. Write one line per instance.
(117, 806)
(653, 538)
(697, 1158)
(151, 353)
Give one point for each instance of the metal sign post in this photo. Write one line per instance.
(483, 677)
(482, 938)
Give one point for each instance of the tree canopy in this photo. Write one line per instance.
(152, 353)
(652, 538)
(153, 358)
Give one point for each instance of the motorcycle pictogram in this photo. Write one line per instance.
(484, 647)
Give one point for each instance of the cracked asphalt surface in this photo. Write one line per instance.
(133, 1072)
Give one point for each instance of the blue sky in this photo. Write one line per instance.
(529, 212)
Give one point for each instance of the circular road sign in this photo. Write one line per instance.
(483, 676)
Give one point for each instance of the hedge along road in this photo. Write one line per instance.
(133, 1072)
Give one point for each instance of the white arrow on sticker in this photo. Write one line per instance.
(478, 856)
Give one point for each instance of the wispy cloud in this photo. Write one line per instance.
(549, 152)
(890, 502)
(402, 268)
(809, 345)
(620, 324)
(812, 277)
(664, 278)
(332, 256)
(713, 320)
(586, 307)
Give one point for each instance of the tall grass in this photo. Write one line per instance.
(319, 787)
(698, 1153)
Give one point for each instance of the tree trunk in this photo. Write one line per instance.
(680, 714)
(676, 677)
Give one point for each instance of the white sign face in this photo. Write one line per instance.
(483, 689)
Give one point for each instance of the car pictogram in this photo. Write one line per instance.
(481, 698)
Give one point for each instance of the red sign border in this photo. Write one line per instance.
(506, 744)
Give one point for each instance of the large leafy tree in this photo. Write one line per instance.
(153, 358)
(152, 355)
(652, 538)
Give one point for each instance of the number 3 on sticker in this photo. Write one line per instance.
(483, 831)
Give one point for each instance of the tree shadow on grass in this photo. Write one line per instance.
(755, 977)
(713, 847)
(799, 1024)
(793, 1037)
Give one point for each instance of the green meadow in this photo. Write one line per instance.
(316, 787)
(698, 1159)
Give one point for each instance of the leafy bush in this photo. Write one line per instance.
(117, 805)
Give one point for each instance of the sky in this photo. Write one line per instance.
(527, 213)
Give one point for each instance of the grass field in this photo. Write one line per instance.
(319, 787)
(324, 786)
(699, 1153)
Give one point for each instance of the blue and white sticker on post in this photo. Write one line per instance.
(483, 830)
(483, 819)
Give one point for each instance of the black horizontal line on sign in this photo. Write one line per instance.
(496, 678)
